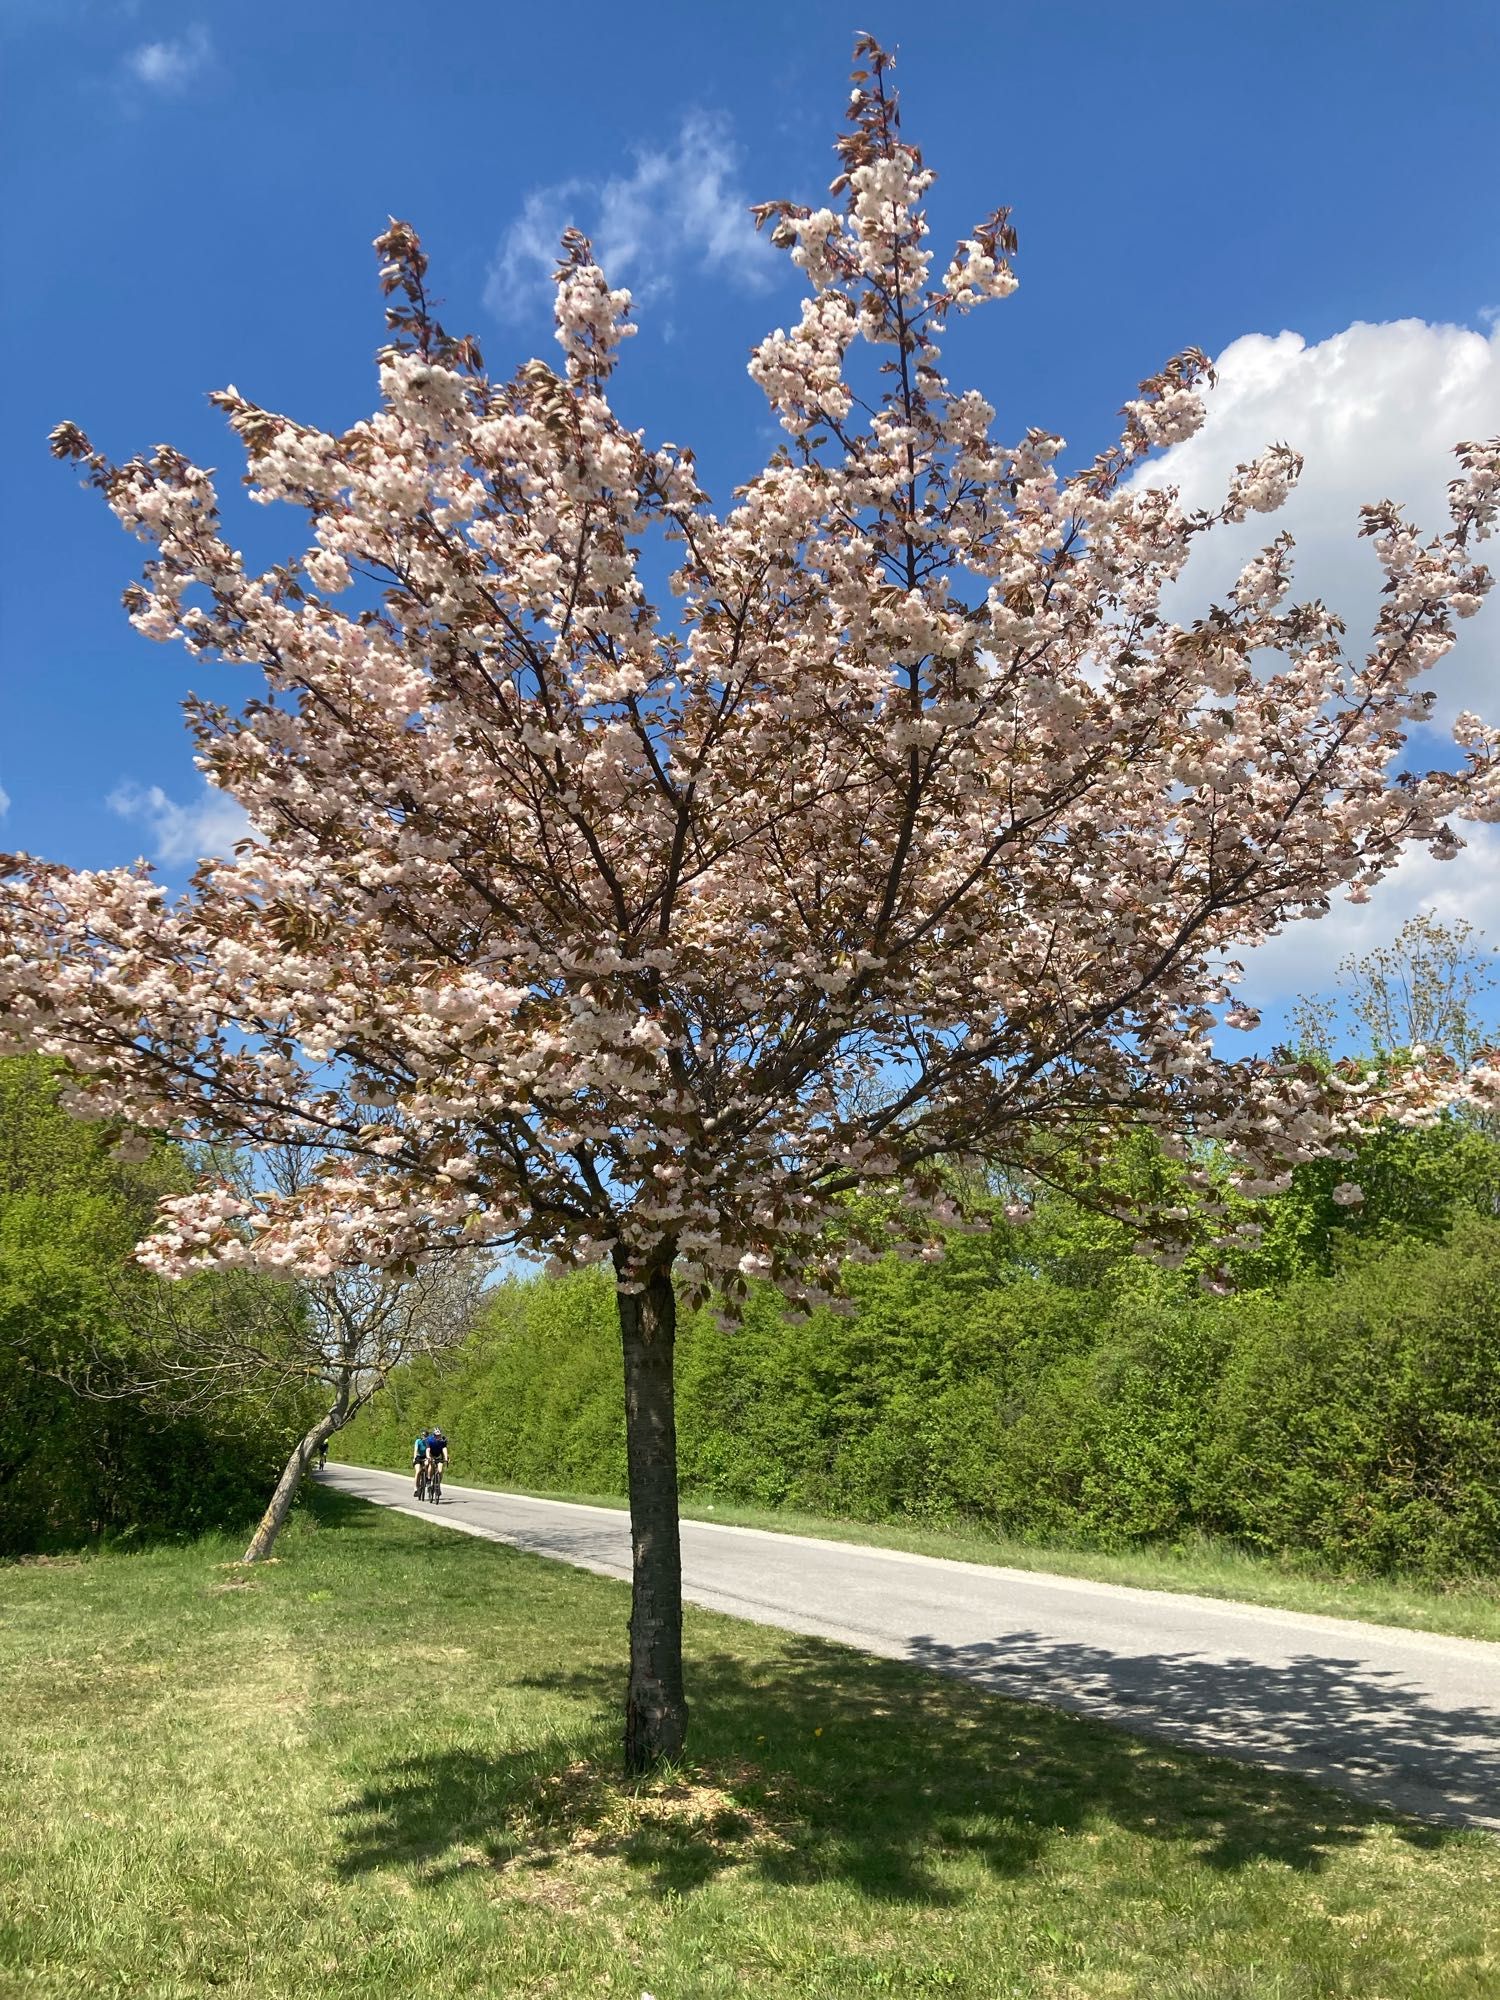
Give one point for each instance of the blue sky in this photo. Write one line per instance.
(191, 190)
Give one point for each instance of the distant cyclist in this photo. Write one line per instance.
(437, 1460)
(419, 1464)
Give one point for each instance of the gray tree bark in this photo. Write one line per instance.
(656, 1713)
(287, 1487)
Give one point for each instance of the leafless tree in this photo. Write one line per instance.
(329, 1344)
(1425, 989)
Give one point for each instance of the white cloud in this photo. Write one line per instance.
(1376, 411)
(4, 801)
(677, 207)
(1305, 958)
(171, 66)
(183, 834)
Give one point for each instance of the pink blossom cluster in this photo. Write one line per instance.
(912, 827)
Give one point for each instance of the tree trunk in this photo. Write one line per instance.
(274, 1519)
(655, 1712)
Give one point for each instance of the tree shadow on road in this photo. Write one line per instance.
(817, 1762)
(1338, 1720)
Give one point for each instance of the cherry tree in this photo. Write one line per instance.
(912, 827)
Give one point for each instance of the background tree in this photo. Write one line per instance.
(613, 913)
(360, 1325)
(1426, 989)
(355, 1325)
(324, 1346)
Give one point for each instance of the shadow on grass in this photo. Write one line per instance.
(821, 1764)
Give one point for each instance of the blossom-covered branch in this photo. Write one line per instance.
(612, 910)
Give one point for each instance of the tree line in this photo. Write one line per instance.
(74, 1466)
(1341, 1405)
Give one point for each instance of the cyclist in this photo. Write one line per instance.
(419, 1464)
(437, 1454)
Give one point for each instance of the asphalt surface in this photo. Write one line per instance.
(1408, 1720)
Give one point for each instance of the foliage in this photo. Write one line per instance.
(1361, 1417)
(70, 1467)
(1426, 988)
(1042, 1380)
(1413, 1183)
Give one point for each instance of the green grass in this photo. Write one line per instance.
(385, 1765)
(1466, 1609)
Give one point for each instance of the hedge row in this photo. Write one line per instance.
(1352, 1417)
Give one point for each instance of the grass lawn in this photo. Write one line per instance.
(1469, 1609)
(385, 1765)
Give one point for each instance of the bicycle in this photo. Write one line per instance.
(435, 1483)
(422, 1478)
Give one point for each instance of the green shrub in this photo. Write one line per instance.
(73, 1467)
(1360, 1417)
(1354, 1418)
(1044, 1381)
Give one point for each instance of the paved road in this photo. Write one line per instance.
(1406, 1719)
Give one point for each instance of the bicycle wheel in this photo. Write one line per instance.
(435, 1486)
(421, 1493)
